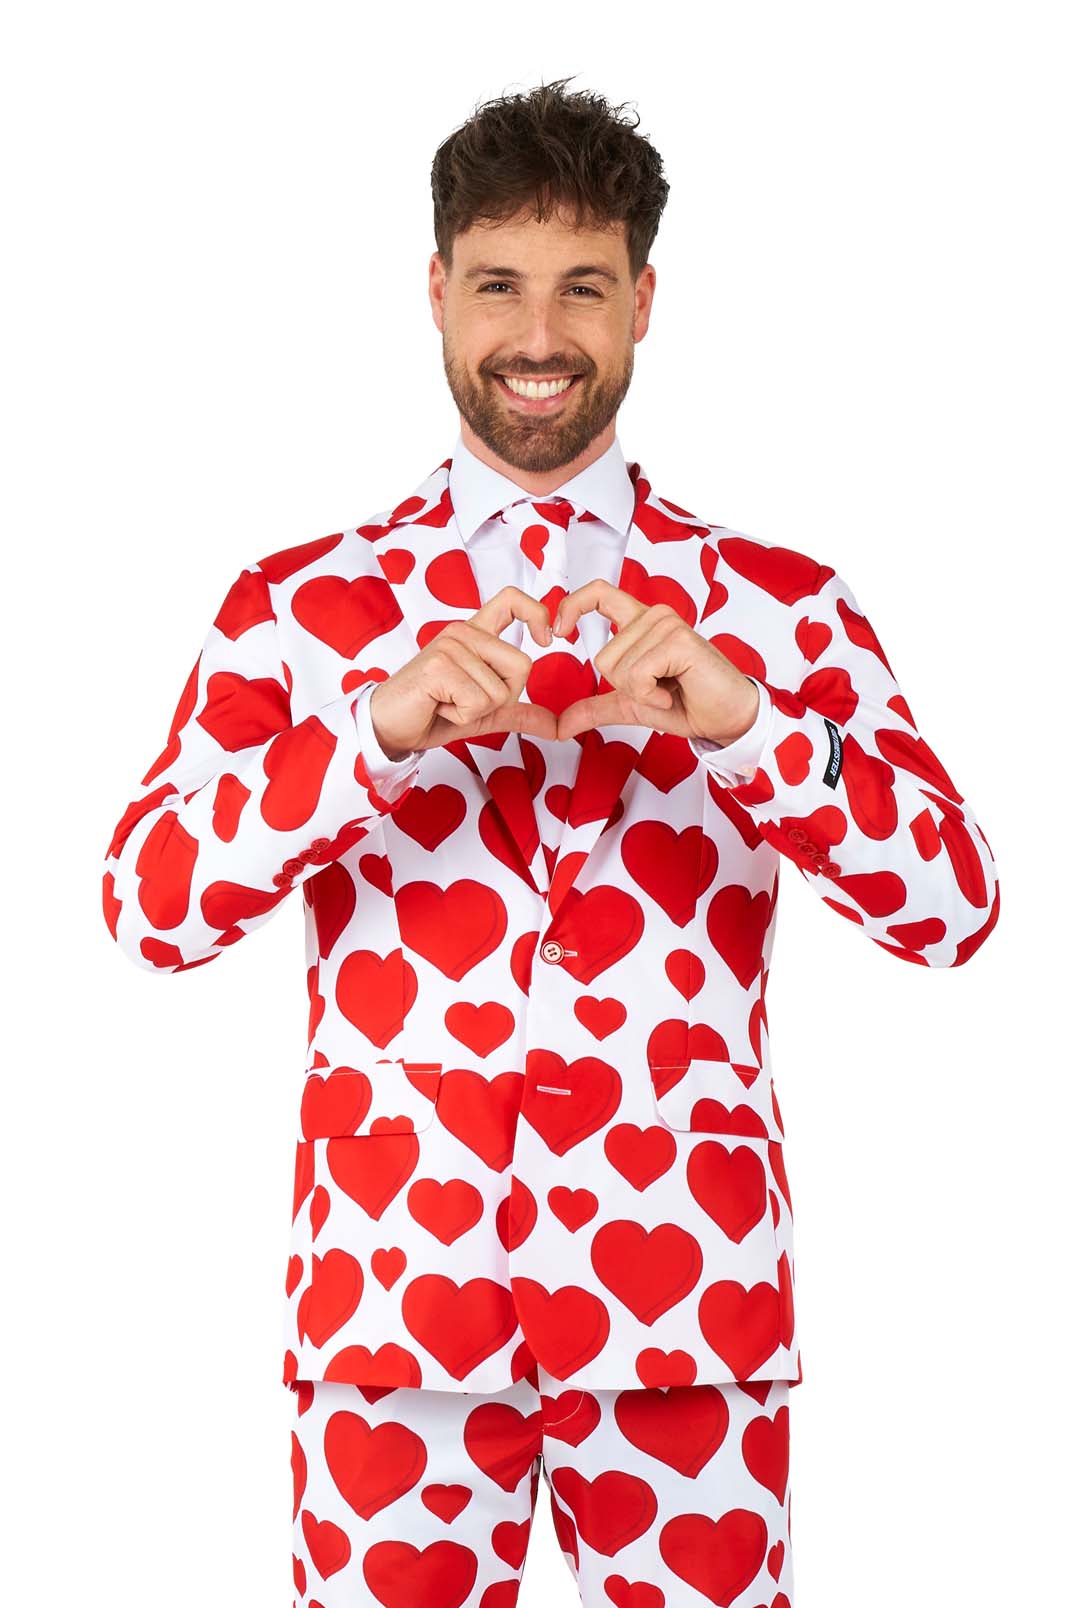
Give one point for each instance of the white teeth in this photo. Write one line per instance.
(530, 388)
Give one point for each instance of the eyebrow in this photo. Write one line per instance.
(582, 271)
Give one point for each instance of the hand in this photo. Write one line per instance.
(465, 683)
(665, 674)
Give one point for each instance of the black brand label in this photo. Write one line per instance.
(836, 754)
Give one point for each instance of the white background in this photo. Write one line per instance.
(864, 346)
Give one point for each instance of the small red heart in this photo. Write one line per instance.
(446, 1501)
(388, 1265)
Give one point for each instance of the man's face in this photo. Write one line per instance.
(540, 315)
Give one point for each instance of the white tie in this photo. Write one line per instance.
(563, 671)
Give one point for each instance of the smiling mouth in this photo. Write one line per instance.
(537, 396)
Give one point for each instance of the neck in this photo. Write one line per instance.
(539, 483)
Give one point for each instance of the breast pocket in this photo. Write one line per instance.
(392, 1095)
(726, 1097)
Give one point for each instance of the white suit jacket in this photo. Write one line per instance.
(539, 1121)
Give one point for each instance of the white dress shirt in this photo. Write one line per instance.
(478, 494)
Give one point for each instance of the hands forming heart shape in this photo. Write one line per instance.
(468, 682)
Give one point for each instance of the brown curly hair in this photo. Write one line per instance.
(550, 150)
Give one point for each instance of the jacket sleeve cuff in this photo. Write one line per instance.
(734, 763)
(390, 778)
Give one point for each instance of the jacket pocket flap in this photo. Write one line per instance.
(393, 1096)
(718, 1097)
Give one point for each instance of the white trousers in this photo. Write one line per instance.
(424, 1498)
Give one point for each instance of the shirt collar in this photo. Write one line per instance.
(478, 492)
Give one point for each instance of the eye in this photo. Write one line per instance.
(501, 284)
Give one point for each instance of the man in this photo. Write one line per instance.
(533, 743)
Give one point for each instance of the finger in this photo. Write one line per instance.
(511, 603)
(613, 709)
(603, 709)
(649, 656)
(608, 600)
(463, 691)
(510, 663)
(537, 720)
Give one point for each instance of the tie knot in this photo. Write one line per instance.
(551, 510)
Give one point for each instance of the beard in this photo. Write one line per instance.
(546, 441)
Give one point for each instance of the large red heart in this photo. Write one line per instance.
(564, 1120)
(381, 1371)
(329, 1547)
(741, 1325)
(336, 1104)
(482, 1112)
(736, 922)
(649, 1272)
(346, 615)
(165, 865)
(454, 928)
(481, 1028)
(565, 1328)
(573, 1207)
(729, 1184)
(766, 1447)
(296, 763)
(373, 1169)
(239, 713)
(641, 1155)
(291, 560)
(601, 925)
(401, 1576)
(446, 1210)
(783, 573)
(667, 760)
(673, 868)
(609, 1511)
(372, 1467)
(337, 1283)
(375, 993)
(430, 814)
(332, 897)
(460, 1325)
(683, 1427)
(600, 1017)
(718, 1557)
(503, 1442)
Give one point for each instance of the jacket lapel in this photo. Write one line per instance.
(424, 557)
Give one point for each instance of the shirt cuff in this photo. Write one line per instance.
(734, 763)
(390, 777)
